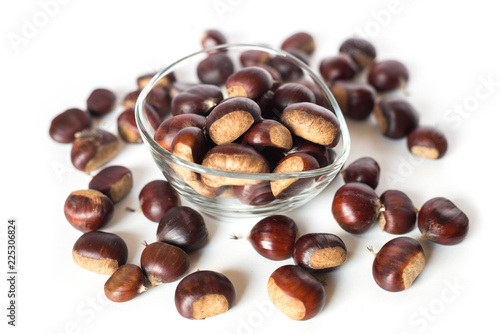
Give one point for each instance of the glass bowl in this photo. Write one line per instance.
(222, 202)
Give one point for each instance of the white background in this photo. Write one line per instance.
(450, 48)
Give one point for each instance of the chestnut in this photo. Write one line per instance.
(398, 215)
(130, 99)
(320, 252)
(169, 128)
(312, 122)
(159, 99)
(65, 125)
(215, 69)
(253, 58)
(273, 237)
(178, 87)
(92, 148)
(233, 158)
(254, 194)
(127, 126)
(292, 163)
(100, 102)
(365, 170)
(388, 75)
(427, 142)
(231, 118)
(442, 222)
(296, 293)
(88, 210)
(204, 294)
(319, 96)
(200, 99)
(339, 67)
(125, 284)
(301, 40)
(287, 69)
(100, 252)
(317, 151)
(356, 100)
(188, 144)
(156, 198)
(268, 133)
(291, 93)
(355, 207)
(362, 51)
(395, 116)
(183, 227)
(251, 82)
(212, 37)
(163, 263)
(398, 264)
(114, 182)
(164, 82)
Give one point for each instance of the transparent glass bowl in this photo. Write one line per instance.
(223, 204)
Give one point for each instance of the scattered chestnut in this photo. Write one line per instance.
(268, 133)
(163, 263)
(398, 215)
(88, 210)
(291, 93)
(254, 194)
(188, 144)
(251, 82)
(339, 67)
(395, 116)
(301, 41)
(296, 293)
(442, 222)
(398, 264)
(125, 284)
(127, 126)
(114, 182)
(388, 75)
(292, 163)
(130, 99)
(212, 37)
(362, 51)
(319, 252)
(215, 69)
(156, 198)
(204, 294)
(253, 58)
(273, 237)
(200, 99)
(365, 170)
(427, 142)
(183, 227)
(356, 100)
(100, 252)
(167, 130)
(100, 102)
(92, 148)
(231, 118)
(164, 82)
(65, 125)
(355, 207)
(312, 122)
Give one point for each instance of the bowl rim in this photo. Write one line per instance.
(140, 115)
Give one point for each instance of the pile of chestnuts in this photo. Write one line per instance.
(272, 119)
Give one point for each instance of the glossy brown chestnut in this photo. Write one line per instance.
(319, 252)
(65, 125)
(231, 118)
(215, 69)
(251, 82)
(164, 82)
(156, 198)
(355, 207)
(125, 284)
(254, 194)
(398, 263)
(233, 158)
(100, 252)
(163, 263)
(92, 148)
(356, 100)
(395, 116)
(204, 294)
(312, 122)
(169, 128)
(398, 215)
(388, 75)
(189, 144)
(88, 210)
(317, 151)
(273, 237)
(254, 57)
(212, 37)
(362, 51)
(427, 142)
(442, 222)
(296, 293)
(114, 182)
(130, 99)
(100, 102)
(319, 95)
(183, 227)
(159, 99)
(288, 70)
(365, 170)
(339, 67)
(178, 87)
(291, 93)
(301, 40)
(268, 133)
(127, 126)
(200, 99)
(292, 163)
